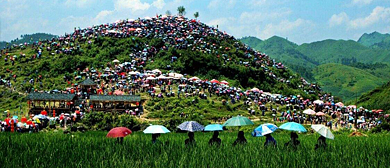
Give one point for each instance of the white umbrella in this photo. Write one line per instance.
(133, 73)
(322, 130)
(318, 102)
(156, 71)
(162, 77)
(150, 78)
(309, 112)
(115, 61)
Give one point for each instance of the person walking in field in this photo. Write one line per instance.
(191, 140)
(270, 141)
(240, 139)
(215, 140)
(321, 143)
(154, 138)
(294, 142)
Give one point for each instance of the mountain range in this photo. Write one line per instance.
(27, 38)
(346, 68)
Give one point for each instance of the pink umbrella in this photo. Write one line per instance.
(320, 114)
(255, 90)
(118, 132)
(118, 92)
(224, 82)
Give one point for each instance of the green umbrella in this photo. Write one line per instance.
(238, 121)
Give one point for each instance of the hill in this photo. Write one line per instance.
(345, 81)
(373, 39)
(303, 59)
(27, 38)
(194, 50)
(284, 51)
(377, 98)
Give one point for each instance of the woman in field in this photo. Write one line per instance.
(294, 142)
(269, 141)
(321, 143)
(215, 140)
(240, 139)
(191, 140)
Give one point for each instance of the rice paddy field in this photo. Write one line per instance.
(93, 149)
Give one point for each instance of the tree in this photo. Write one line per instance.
(181, 10)
(196, 15)
(168, 13)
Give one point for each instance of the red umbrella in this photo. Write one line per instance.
(118, 132)
(44, 112)
(24, 120)
(214, 81)
(380, 110)
(77, 112)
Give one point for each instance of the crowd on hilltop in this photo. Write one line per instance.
(176, 32)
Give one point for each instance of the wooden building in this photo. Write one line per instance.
(61, 103)
(118, 103)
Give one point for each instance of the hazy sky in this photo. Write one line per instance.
(300, 21)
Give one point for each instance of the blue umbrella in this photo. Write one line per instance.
(293, 126)
(156, 129)
(264, 129)
(213, 127)
(15, 117)
(190, 126)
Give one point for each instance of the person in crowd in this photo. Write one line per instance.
(215, 140)
(269, 141)
(191, 140)
(240, 139)
(294, 142)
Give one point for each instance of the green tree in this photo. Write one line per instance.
(181, 10)
(196, 15)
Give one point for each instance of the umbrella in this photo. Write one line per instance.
(318, 102)
(320, 114)
(156, 129)
(322, 130)
(264, 129)
(150, 78)
(224, 82)
(352, 106)
(44, 112)
(293, 126)
(213, 127)
(115, 61)
(309, 112)
(340, 104)
(255, 90)
(214, 81)
(194, 78)
(380, 110)
(118, 132)
(190, 126)
(118, 92)
(238, 121)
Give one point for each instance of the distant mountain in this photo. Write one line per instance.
(27, 38)
(377, 98)
(373, 39)
(316, 61)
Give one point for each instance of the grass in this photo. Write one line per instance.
(92, 149)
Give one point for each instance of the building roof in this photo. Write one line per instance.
(48, 96)
(88, 82)
(114, 98)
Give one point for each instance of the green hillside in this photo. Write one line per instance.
(373, 38)
(345, 81)
(376, 99)
(27, 38)
(305, 58)
(344, 52)
(284, 51)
